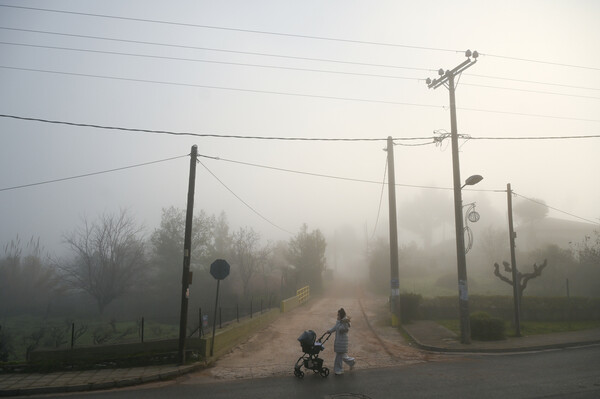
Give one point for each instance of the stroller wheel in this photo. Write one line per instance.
(324, 372)
(298, 373)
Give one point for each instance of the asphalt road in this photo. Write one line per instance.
(567, 373)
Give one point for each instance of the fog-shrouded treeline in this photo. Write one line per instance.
(570, 271)
(116, 270)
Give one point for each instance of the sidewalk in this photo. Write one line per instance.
(431, 336)
(426, 335)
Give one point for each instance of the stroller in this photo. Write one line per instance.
(310, 357)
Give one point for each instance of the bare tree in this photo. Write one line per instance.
(522, 278)
(109, 257)
(246, 255)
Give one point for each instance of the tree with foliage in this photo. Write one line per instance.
(27, 281)
(109, 257)
(426, 212)
(166, 254)
(307, 254)
(246, 255)
(379, 266)
(530, 211)
(587, 275)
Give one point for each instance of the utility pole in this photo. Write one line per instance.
(187, 246)
(394, 277)
(513, 260)
(447, 79)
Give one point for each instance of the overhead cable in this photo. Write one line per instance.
(282, 34)
(303, 95)
(231, 136)
(555, 209)
(90, 174)
(290, 57)
(244, 202)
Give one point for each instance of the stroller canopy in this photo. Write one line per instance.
(307, 338)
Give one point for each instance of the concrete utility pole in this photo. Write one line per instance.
(187, 246)
(447, 79)
(513, 260)
(394, 278)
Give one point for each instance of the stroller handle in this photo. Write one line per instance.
(324, 334)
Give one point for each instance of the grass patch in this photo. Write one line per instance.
(533, 327)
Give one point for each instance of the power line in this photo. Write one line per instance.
(555, 209)
(91, 174)
(540, 62)
(290, 94)
(319, 174)
(529, 81)
(380, 198)
(261, 32)
(281, 34)
(222, 50)
(280, 93)
(290, 57)
(242, 64)
(214, 135)
(244, 202)
(530, 91)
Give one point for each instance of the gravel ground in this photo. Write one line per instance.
(274, 350)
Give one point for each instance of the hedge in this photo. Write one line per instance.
(532, 308)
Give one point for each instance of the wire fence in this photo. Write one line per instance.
(22, 335)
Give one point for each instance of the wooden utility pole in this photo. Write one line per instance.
(447, 79)
(513, 260)
(394, 275)
(187, 246)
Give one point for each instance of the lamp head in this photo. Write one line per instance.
(472, 180)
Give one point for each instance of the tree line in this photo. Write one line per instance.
(113, 265)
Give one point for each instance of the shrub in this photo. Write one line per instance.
(486, 328)
(409, 307)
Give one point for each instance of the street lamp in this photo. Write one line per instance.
(446, 78)
(472, 180)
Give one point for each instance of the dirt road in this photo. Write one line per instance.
(274, 350)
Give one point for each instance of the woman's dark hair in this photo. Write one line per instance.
(342, 313)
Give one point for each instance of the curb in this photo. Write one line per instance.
(95, 386)
(562, 345)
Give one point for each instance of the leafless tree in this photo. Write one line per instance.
(522, 278)
(109, 257)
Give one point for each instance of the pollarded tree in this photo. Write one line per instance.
(109, 257)
(307, 254)
(522, 278)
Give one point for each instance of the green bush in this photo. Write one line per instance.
(409, 307)
(486, 328)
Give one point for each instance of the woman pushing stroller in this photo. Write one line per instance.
(340, 345)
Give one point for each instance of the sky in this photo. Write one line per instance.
(268, 71)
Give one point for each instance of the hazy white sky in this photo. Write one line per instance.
(193, 73)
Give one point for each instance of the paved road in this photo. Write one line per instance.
(566, 373)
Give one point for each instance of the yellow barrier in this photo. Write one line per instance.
(303, 294)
